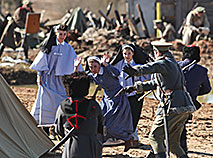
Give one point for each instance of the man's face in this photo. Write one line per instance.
(128, 54)
(94, 67)
(61, 36)
(156, 53)
(200, 14)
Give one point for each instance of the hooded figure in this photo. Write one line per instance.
(51, 65)
(133, 55)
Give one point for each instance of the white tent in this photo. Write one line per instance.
(19, 135)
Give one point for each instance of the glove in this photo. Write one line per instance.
(129, 89)
(129, 70)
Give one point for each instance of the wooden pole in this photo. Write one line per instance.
(143, 24)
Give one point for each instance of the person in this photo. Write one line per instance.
(196, 24)
(174, 99)
(129, 53)
(196, 80)
(19, 19)
(83, 114)
(52, 63)
(166, 30)
(116, 110)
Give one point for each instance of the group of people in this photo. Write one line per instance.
(195, 27)
(64, 86)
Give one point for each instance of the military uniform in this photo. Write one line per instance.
(166, 30)
(169, 82)
(195, 25)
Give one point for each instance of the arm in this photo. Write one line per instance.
(205, 87)
(189, 22)
(145, 86)
(158, 66)
(59, 129)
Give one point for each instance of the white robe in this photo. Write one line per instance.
(52, 67)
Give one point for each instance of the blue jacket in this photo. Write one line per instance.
(196, 79)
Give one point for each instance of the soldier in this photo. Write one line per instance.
(175, 101)
(167, 30)
(196, 79)
(9, 37)
(196, 24)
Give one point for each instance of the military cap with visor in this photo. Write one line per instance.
(161, 46)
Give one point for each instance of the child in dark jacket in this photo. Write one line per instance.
(82, 114)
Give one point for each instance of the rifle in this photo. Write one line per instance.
(122, 91)
(166, 130)
(184, 21)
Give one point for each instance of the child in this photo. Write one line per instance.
(83, 114)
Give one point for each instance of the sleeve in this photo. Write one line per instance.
(168, 28)
(40, 63)
(152, 67)
(113, 71)
(100, 117)
(20, 18)
(205, 87)
(145, 86)
(206, 22)
(59, 121)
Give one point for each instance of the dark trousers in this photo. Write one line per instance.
(136, 108)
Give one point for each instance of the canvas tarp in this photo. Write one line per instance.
(19, 135)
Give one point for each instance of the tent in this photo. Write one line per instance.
(19, 135)
(74, 19)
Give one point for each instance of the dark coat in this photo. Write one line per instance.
(83, 143)
(196, 77)
(169, 78)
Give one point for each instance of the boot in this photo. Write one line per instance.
(129, 144)
(184, 156)
(160, 155)
(150, 154)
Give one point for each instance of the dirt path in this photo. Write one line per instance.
(200, 129)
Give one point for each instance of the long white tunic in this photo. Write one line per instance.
(52, 67)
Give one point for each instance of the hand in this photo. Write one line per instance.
(105, 59)
(129, 89)
(77, 61)
(129, 70)
(39, 80)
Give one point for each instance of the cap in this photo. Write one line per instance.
(158, 21)
(124, 46)
(94, 58)
(161, 46)
(200, 9)
(27, 2)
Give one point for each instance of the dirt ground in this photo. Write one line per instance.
(200, 129)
